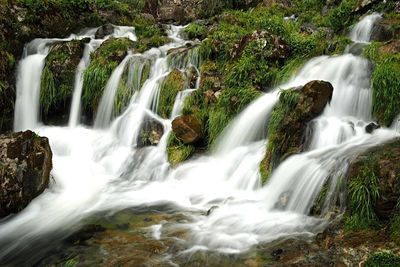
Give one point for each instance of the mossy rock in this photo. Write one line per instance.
(177, 151)
(289, 119)
(136, 72)
(170, 87)
(103, 61)
(58, 77)
(383, 259)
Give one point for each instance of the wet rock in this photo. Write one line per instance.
(104, 31)
(385, 30)
(25, 165)
(372, 127)
(151, 132)
(296, 108)
(187, 128)
(192, 76)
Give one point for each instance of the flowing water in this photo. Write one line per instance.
(98, 170)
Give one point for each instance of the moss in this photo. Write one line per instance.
(170, 87)
(58, 75)
(383, 259)
(177, 151)
(195, 30)
(103, 61)
(385, 83)
(287, 102)
(290, 69)
(395, 228)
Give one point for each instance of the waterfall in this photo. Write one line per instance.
(361, 32)
(104, 112)
(98, 170)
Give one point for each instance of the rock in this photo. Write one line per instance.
(364, 5)
(211, 77)
(391, 47)
(25, 165)
(104, 31)
(372, 127)
(151, 132)
(187, 128)
(172, 11)
(274, 46)
(192, 76)
(210, 97)
(385, 30)
(287, 136)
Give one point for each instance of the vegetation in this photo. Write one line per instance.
(364, 191)
(195, 30)
(170, 88)
(385, 83)
(58, 75)
(383, 259)
(177, 151)
(103, 62)
(287, 102)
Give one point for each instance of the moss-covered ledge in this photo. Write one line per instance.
(58, 77)
(289, 119)
(170, 87)
(103, 61)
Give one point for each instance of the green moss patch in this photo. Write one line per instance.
(103, 61)
(170, 87)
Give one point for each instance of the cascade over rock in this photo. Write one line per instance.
(290, 117)
(25, 165)
(151, 132)
(187, 128)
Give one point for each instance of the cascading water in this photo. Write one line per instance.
(103, 170)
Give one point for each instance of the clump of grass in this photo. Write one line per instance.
(195, 30)
(363, 193)
(177, 151)
(170, 87)
(103, 62)
(383, 259)
(385, 83)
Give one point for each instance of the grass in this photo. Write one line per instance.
(385, 83)
(383, 259)
(363, 192)
(103, 62)
(177, 151)
(170, 87)
(195, 30)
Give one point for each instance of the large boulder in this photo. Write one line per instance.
(289, 120)
(151, 132)
(25, 165)
(386, 29)
(188, 129)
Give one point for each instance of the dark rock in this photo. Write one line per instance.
(318, 94)
(211, 210)
(187, 128)
(25, 165)
(363, 5)
(104, 31)
(192, 76)
(210, 97)
(385, 30)
(372, 127)
(151, 132)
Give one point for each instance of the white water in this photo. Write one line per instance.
(361, 32)
(100, 170)
(104, 112)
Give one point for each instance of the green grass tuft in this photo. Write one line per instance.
(383, 259)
